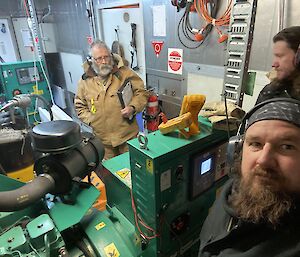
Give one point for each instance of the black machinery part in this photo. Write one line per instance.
(56, 170)
(15, 148)
(56, 136)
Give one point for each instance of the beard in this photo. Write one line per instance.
(103, 70)
(260, 202)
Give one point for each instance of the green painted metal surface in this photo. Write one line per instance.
(118, 188)
(10, 83)
(40, 226)
(29, 233)
(111, 227)
(117, 163)
(67, 215)
(15, 240)
(8, 184)
(161, 183)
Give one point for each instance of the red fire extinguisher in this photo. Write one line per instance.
(151, 114)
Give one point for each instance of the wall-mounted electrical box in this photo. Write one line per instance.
(8, 48)
(48, 37)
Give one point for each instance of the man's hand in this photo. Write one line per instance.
(128, 112)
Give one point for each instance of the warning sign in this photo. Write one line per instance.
(157, 46)
(149, 165)
(100, 225)
(111, 250)
(175, 60)
(123, 172)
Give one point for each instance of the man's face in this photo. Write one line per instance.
(102, 61)
(270, 172)
(283, 60)
(271, 157)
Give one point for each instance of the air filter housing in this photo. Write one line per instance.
(56, 136)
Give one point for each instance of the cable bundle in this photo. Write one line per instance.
(151, 233)
(206, 9)
(202, 7)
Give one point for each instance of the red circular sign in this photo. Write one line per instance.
(175, 61)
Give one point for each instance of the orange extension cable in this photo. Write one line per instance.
(201, 7)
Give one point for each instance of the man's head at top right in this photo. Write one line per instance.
(286, 44)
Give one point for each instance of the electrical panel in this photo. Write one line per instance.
(48, 37)
(206, 168)
(8, 48)
(23, 78)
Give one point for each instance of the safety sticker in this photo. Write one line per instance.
(36, 91)
(111, 250)
(100, 225)
(149, 165)
(123, 172)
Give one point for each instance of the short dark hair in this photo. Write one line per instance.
(290, 35)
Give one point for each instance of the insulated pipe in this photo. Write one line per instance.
(26, 195)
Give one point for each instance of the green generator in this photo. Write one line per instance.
(158, 196)
(23, 78)
(160, 193)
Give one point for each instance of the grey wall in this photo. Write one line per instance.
(69, 16)
(11, 8)
(73, 27)
(211, 52)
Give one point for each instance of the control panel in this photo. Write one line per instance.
(27, 75)
(206, 168)
(23, 78)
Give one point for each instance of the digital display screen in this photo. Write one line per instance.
(205, 166)
(23, 73)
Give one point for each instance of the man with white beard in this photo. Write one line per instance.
(258, 212)
(97, 102)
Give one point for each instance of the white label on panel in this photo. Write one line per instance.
(159, 20)
(26, 37)
(165, 180)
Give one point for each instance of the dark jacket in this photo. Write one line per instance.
(223, 234)
(285, 88)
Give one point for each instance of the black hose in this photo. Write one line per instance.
(47, 103)
(26, 195)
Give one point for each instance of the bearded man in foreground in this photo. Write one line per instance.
(258, 212)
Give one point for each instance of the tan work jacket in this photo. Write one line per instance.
(98, 105)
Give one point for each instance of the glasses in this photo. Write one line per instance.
(105, 58)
